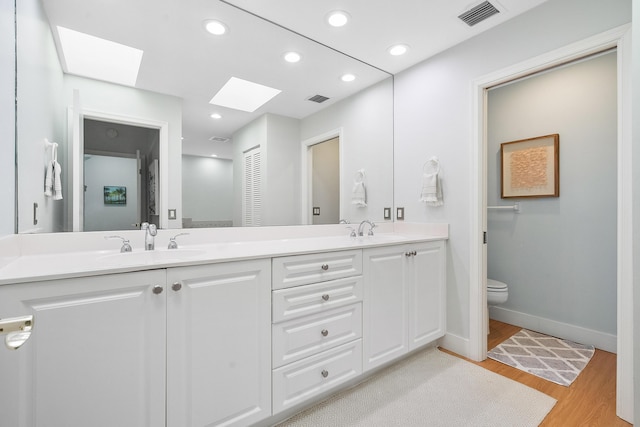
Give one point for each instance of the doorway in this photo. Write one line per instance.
(326, 196)
(119, 175)
(619, 38)
(325, 182)
(559, 282)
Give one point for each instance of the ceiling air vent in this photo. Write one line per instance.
(218, 139)
(479, 13)
(318, 98)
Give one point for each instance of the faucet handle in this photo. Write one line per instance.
(152, 229)
(353, 232)
(172, 241)
(126, 246)
(372, 226)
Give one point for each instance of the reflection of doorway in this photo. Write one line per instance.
(325, 182)
(119, 155)
(332, 197)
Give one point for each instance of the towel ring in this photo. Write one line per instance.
(358, 177)
(432, 166)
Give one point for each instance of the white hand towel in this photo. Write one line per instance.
(57, 182)
(431, 192)
(48, 180)
(359, 194)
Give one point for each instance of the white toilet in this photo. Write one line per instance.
(497, 292)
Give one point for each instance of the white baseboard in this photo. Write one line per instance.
(601, 340)
(456, 344)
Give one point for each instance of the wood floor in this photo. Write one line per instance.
(589, 401)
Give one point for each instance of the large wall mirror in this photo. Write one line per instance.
(164, 148)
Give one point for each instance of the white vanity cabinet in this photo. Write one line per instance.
(404, 299)
(176, 347)
(317, 324)
(95, 356)
(219, 344)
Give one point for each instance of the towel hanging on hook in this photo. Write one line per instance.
(52, 178)
(359, 192)
(431, 191)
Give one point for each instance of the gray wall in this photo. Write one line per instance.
(433, 117)
(7, 112)
(559, 255)
(101, 171)
(40, 115)
(207, 188)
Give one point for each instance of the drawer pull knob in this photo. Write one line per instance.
(157, 289)
(325, 297)
(325, 267)
(407, 254)
(325, 373)
(324, 332)
(176, 286)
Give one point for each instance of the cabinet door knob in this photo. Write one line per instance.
(325, 297)
(325, 373)
(157, 289)
(407, 254)
(176, 286)
(324, 332)
(414, 253)
(325, 267)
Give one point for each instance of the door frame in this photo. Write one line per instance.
(619, 38)
(163, 130)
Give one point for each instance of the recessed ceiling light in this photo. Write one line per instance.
(216, 116)
(292, 57)
(243, 95)
(214, 155)
(216, 28)
(399, 49)
(348, 78)
(100, 59)
(338, 18)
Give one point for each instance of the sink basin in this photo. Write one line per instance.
(150, 257)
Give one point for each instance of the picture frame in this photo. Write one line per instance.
(115, 195)
(530, 167)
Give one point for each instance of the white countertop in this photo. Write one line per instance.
(27, 258)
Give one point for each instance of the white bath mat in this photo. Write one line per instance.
(559, 361)
(433, 389)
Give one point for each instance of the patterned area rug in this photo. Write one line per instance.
(556, 360)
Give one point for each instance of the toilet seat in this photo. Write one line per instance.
(496, 286)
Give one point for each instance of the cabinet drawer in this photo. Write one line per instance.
(309, 299)
(309, 377)
(304, 269)
(298, 338)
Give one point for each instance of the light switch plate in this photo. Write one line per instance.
(172, 214)
(400, 214)
(316, 210)
(387, 213)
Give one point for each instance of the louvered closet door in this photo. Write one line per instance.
(251, 193)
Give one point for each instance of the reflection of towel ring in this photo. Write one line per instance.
(358, 177)
(432, 166)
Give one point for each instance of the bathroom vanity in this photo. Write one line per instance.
(236, 332)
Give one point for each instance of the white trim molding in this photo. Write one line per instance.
(615, 38)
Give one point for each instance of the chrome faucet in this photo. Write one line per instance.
(361, 227)
(149, 237)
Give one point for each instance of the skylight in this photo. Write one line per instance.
(243, 95)
(100, 59)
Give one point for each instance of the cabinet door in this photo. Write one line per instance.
(95, 356)
(427, 298)
(219, 344)
(384, 329)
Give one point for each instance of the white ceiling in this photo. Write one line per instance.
(183, 60)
